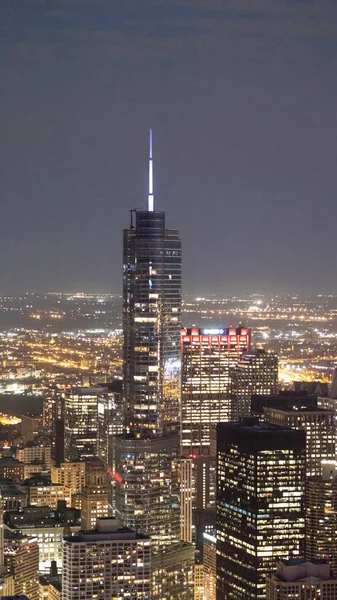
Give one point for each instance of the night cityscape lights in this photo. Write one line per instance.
(165, 447)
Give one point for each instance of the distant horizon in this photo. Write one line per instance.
(195, 295)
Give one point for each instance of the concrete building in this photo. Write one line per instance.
(42, 492)
(30, 426)
(13, 469)
(22, 560)
(108, 562)
(71, 476)
(94, 495)
(301, 580)
(35, 452)
(209, 557)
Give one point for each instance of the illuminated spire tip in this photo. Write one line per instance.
(151, 196)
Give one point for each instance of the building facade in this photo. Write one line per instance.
(94, 495)
(148, 452)
(255, 373)
(107, 562)
(260, 504)
(208, 355)
(319, 425)
(302, 580)
(321, 516)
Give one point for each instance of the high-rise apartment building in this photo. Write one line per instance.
(319, 425)
(22, 560)
(208, 355)
(303, 580)
(147, 454)
(108, 562)
(260, 504)
(94, 495)
(321, 516)
(255, 373)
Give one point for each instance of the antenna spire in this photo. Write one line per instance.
(151, 196)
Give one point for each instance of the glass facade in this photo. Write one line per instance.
(255, 373)
(319, 425)
(151, 325)
(260, 504)
(321, 519)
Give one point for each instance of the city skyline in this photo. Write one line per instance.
(241, 100)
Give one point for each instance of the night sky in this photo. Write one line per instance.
(242, 99)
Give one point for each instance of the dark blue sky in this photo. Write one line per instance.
(242, 98)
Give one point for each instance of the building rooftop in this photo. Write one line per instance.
(106, 529)
(302, 570)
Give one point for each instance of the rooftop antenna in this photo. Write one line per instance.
(151, 196)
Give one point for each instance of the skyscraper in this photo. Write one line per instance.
(260, 504)
(255, 373)
(319, 425)
(147, 455)
(321, 516)
(208, 355)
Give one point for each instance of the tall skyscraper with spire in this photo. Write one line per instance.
(147, 455)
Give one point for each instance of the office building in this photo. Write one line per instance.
(48, 527)
(208, 355)
(260, 504)
(110, 422)
(41, 491)
(255, 373)
(94, 495)
(148, 452)
(30, 426)
(186, 499)
(35, 452)
(11, 468)
(107, 562)
(80, 423)
(301, 580)
(6, 585)
(22, 560)
(319, 425)
(71, 476)
(321, 516)
(209, 557)
(148, 490)
(295, 400)
(173, 573)
(12, 498)
(198, 581)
